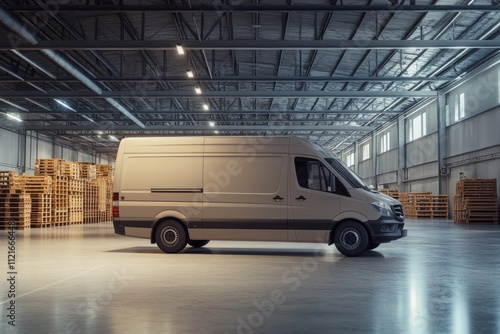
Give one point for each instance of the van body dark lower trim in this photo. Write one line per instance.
(373, 227)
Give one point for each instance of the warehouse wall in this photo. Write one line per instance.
(13, 151)
(472, 138)
(9, 154)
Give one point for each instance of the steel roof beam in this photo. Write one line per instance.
(225, 112)
(272, 128)
(252, 45)
(148, 79)
(218, 8)
(218, 94)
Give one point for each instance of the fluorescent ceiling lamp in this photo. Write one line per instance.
(190, 74)
(216, 132)
(205, 106)
(88, 119)
(113, 138)
(13, 104)
(64, 104)
(14, 117)
(197, 90)
(180, 49)
(211, 123)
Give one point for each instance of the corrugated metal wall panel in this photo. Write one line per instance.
(424, 186)
(9, 150)
(387, 178)
(422, 150)
(480, 94)
(422, 171)
(387, 162)
(365, 168)
(84, 157)
(474, 133)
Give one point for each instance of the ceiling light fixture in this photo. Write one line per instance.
(64, 104)
(113, 138)
(13, 104)
(211, 123)
(216, 132)
(197, 89)
(14, 117)
(180, 49)
(190, 74)
(206, 107)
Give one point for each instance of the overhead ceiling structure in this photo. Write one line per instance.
(96, 71)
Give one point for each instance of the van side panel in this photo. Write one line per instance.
(157, 177)
(245, 188)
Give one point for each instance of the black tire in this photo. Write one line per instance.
(351, 238)
(372, 245)
(198, 243)
(171, 236)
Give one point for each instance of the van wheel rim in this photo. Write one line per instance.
(350, 239)
(169, 236)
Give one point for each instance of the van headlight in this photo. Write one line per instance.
(383, 208)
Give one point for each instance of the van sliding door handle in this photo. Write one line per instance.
(300, 198)
(278, 198)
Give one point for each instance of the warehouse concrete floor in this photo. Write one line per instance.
(443, 278)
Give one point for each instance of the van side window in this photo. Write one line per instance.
(311, 174)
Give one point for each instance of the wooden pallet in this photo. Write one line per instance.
(48, 167)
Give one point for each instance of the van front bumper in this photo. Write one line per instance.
(386, 230)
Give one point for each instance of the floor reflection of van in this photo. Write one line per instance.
(189, 190)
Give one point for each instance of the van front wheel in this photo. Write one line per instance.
(171, 237)
(351, 238)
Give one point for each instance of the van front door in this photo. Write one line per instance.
(314, 200)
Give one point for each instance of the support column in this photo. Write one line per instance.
(374, 159)
(442, 172)
(401, 153)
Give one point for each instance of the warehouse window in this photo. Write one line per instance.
(366, 152)
(418, 126)
(350, 160)
(385, 142)
(459, 107)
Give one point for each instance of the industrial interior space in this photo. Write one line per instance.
(399, 99)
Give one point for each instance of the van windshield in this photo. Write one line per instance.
(340, 167)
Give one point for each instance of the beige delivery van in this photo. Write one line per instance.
(189, 190)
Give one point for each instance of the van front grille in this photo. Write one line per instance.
(398, 212)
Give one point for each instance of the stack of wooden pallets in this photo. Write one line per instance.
(417, 205)
(60, 202)
(91, 202)
(105, 175)
(15, 204)
(75, 196)
(60, 193)
(394, 193)
(475, 202)
(424, 205)
(40, 190)
(15, 209)
(439, 207)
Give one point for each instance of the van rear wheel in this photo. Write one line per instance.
(351, 238)
(198, 243)
(171, 237)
